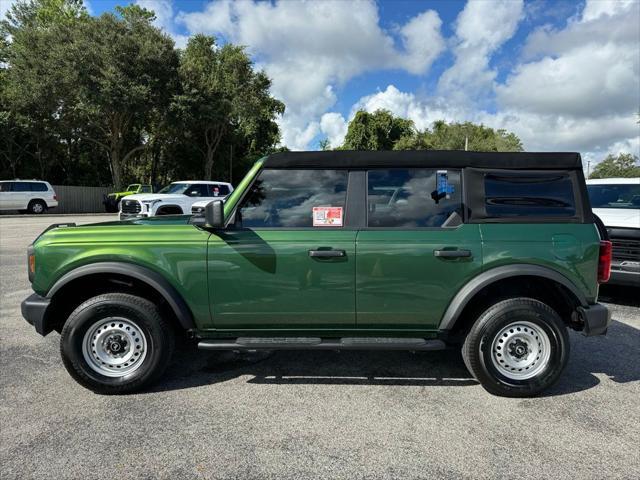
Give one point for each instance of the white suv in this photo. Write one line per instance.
(174, 199)
(27, 196)
(617, 202)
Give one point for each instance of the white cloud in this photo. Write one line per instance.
(334, 126)
(481, 29)
(165, 17)
(310, 48)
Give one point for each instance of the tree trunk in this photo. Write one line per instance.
(116, 167)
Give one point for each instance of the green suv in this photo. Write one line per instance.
(111, 202)
(496, 253)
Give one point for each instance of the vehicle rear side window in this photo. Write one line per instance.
(538, 195)
(21, 187)
(287, 198)
(38, 187)
(412, 198)
(218, 190)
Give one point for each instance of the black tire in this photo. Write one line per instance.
(37, 207)
(141, 313)
(482, 346)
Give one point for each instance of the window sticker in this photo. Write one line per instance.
(327, 216)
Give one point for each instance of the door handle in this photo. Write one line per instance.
(451, 253)
(327, 253)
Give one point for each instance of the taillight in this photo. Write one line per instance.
(604, 262)
(55, 197)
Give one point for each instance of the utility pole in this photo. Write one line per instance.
(588, 168)
(466, 143)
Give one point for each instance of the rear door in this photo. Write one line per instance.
(21, 195)
(288, 262)
(415, 252)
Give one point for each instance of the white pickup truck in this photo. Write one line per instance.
(617, 202)
(174, 199)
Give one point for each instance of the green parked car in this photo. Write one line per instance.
(497, 254)
(112, 201)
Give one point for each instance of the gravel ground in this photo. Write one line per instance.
(311, 414)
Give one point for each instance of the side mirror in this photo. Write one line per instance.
(214, 214)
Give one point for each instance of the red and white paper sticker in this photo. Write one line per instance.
(327, 216)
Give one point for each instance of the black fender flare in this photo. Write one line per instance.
(471, 288)
(143, 274)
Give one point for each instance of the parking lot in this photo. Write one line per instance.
(311, 414)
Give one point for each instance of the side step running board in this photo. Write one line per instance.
(316, 343)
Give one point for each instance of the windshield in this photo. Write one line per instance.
(614, 196)
(175, 188)
(133, 187)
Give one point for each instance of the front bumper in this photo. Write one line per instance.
(596, 318)
(34, 310)
(128, 216)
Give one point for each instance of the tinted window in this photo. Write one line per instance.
(21, 187)
(544, 195)
(5, 186)
(218, 190)
(412, 198)
(614, 196)
(38, 187)
(286, 198)
(145, 189)
(197, 190)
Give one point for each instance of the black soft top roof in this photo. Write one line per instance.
(424, 158)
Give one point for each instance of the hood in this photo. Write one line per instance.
(147, 197)
(619, 217)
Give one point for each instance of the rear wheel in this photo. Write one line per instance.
(37, 207)
(517, 348)
(116, 343)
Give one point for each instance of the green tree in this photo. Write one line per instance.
(379, 130)
(457, 136)
(623, 165)
(223, 101)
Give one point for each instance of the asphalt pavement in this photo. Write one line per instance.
(302, 415)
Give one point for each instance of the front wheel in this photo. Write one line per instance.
(517, 348)
(116, 343)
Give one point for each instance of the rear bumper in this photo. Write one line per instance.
(596, 318)
(34, 310)
(620, 276)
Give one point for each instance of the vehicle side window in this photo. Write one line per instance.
(21, 187)
(544, 195)
(286, 198)
(412, 198)
(145, 189)
(197, 190)
(218, 190)
(5, 186)
(38, 187)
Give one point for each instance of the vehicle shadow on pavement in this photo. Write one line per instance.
(615, 356)
(442, 368)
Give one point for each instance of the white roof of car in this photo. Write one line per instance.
(203, 181)
(614, 181)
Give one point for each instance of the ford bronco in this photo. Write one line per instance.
(496, 253)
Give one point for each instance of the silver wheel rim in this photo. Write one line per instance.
(37, 208)
(114, 347)
(521, 350)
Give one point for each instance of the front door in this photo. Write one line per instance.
(288, 262)
(415, 252)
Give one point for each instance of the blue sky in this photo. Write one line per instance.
(563, 75)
